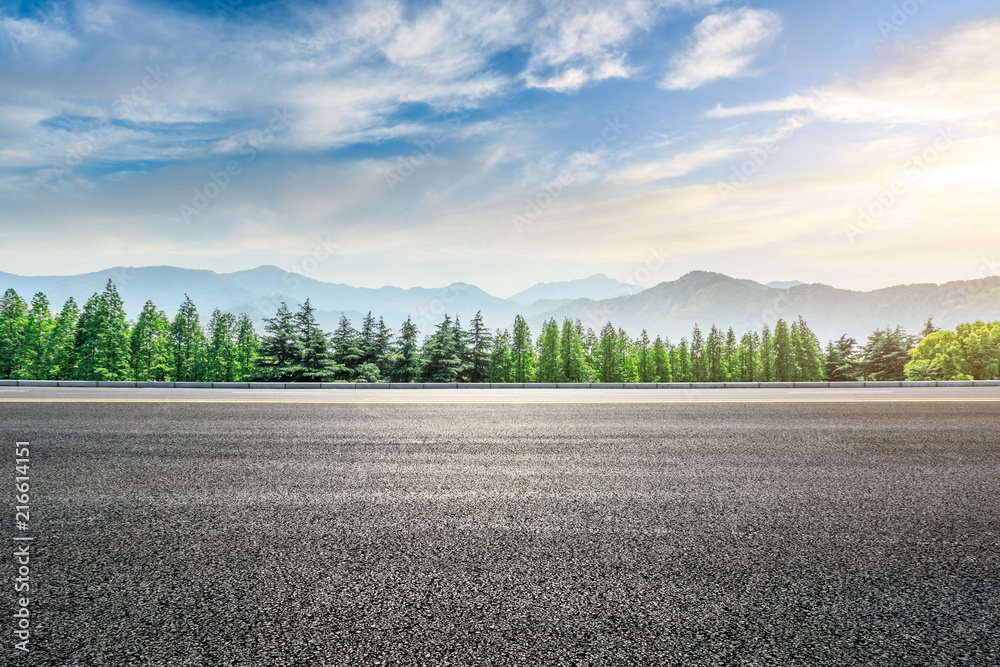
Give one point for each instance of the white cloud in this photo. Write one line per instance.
(723, 47)
(574, 44)
(950, 79)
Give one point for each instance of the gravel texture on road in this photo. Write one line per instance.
(495, 534)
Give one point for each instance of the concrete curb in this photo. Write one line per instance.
(496, 385)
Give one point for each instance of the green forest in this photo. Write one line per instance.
(98, 342)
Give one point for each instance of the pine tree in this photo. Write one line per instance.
(886, 355)
(480, 341)
(785, 368)
(699, 369)
(808, 357)
(149, 345)
(406, 363)
(683, 372)
(441, 360)
(662, 371)
(747, 358)
(644, 359)
(368, 341)
(103, 347)
(729, 357)
(929, 328)
(608, 368)
(347, 352)
(765, 371)
(501, 363)
(13, 322)
(222, 355)
(625, 358)
(522, 352)
(462, 351)
(61, 349)
(247, 349)
(383, 348)
(571, 354)
(279, 347)
(590, 343)
(713, 364)
(314, 359)
(35, 363)
(188, 344)
(549, 363)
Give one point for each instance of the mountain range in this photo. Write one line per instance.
(670, 308)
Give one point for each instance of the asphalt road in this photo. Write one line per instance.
(734, 533)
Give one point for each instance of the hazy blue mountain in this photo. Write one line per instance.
(670, 308)
(784, 284)
(258, 292)
(596, 287)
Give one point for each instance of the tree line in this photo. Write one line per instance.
(98, 342)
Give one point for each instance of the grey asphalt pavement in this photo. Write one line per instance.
(815, 532)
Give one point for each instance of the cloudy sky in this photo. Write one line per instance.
(855, 143)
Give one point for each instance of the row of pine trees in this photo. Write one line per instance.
(98, 342)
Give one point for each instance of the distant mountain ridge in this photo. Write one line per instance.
(670, 308)
(597, 287)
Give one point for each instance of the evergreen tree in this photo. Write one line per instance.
(347, 352)
(644, 359)
(103, 348)
(808, 357)
(746, 358)
(406, 363)
(683, 372)
(625, 358)
(368, 341)
(886, 355)
(383, 348)
(279, 347)
(714, 364)
(61, 350)
(222, 358)
(765, 356)
(522, 352)
(480, 341)
(590, 343)
(188, 344)
(13, 322)
(442, 362)
(699, 369)
(35, 364)
(247, 349)
(501, 362)
(315, 360)
(549, 363)
(462, 351)
(729, 357)
(662, 371)
(608, 368)
(149, 346)
(785, 368)
(929, 328)
(841, 360)
(571, 354)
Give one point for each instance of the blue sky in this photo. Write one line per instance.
(503, 143)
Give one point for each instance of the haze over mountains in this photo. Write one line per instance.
(670, 308)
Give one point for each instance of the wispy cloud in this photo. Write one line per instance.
(723, 46)
(947, 79)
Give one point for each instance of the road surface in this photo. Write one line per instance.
(523, 527)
